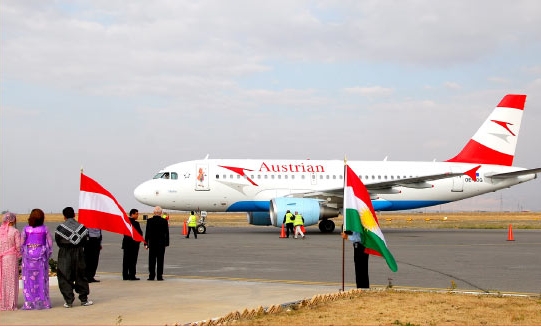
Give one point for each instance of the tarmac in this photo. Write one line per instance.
(233, 269)
(173, 301)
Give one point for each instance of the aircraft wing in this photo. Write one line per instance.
(386, 187)
(514, 173)
(412, 182)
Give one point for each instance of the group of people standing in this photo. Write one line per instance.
(78, 255)
(35, 246)
(156, 240)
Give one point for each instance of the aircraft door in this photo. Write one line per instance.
(313, 178)
(458, 183)
(202, 180)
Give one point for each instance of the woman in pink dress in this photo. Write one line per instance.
(10, 251)
(37, 248)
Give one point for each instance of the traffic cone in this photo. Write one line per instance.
(303, 230)
(510, 233)
(283, 232)
(184, 229)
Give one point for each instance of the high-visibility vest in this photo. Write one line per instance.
(298, 220)
(289, 218)
(192, 221)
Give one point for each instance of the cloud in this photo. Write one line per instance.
(125, 89)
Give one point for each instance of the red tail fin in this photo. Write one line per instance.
(495, 141)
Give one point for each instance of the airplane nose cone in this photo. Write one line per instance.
(142, 193)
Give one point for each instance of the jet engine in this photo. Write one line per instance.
(312, 210)
(259, 218)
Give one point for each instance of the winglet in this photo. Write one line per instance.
(472, 173)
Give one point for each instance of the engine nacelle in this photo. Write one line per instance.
(310, 209)
(258, 218)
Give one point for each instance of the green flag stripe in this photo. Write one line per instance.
(372, 241)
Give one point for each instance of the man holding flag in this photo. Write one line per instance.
(360, 258)
(362, 228)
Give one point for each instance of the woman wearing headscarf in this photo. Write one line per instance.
(10, 251)
(37, 248)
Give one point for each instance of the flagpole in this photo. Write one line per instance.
(343, 260)
(344, 217)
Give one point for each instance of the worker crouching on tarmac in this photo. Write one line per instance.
(192, 225)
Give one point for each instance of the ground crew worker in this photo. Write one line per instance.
(192, 225)
(288, 220)
(298, 222)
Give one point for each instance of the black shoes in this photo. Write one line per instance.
(93, 280)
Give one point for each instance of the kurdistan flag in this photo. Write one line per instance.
(359, 216)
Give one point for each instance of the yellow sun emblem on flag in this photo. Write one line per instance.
(367, 220)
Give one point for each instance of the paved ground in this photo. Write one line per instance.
(169, 302)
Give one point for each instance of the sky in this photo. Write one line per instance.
(122, 89)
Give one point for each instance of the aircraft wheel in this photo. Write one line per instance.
(326, 226)
(201, 229)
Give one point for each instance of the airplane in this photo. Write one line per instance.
(266, 188)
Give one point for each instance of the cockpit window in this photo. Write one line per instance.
(166, 175)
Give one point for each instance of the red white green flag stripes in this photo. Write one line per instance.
(359, 216)
(99, 209)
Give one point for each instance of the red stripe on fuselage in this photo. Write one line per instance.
(240, 171)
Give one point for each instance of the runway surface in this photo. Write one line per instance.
(482, 260)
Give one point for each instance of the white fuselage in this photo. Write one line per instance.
(244, 185)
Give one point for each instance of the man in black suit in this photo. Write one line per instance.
(156, 239)
(131, 249)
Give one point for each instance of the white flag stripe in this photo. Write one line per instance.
(98, 202)
(353, 202)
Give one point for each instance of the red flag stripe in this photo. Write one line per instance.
(98, 208)
(360, 191)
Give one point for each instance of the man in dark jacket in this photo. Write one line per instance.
(131, 249)
(70, 237)
(156, 239)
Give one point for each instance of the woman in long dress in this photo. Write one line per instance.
(10, 251)
(37, 248)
